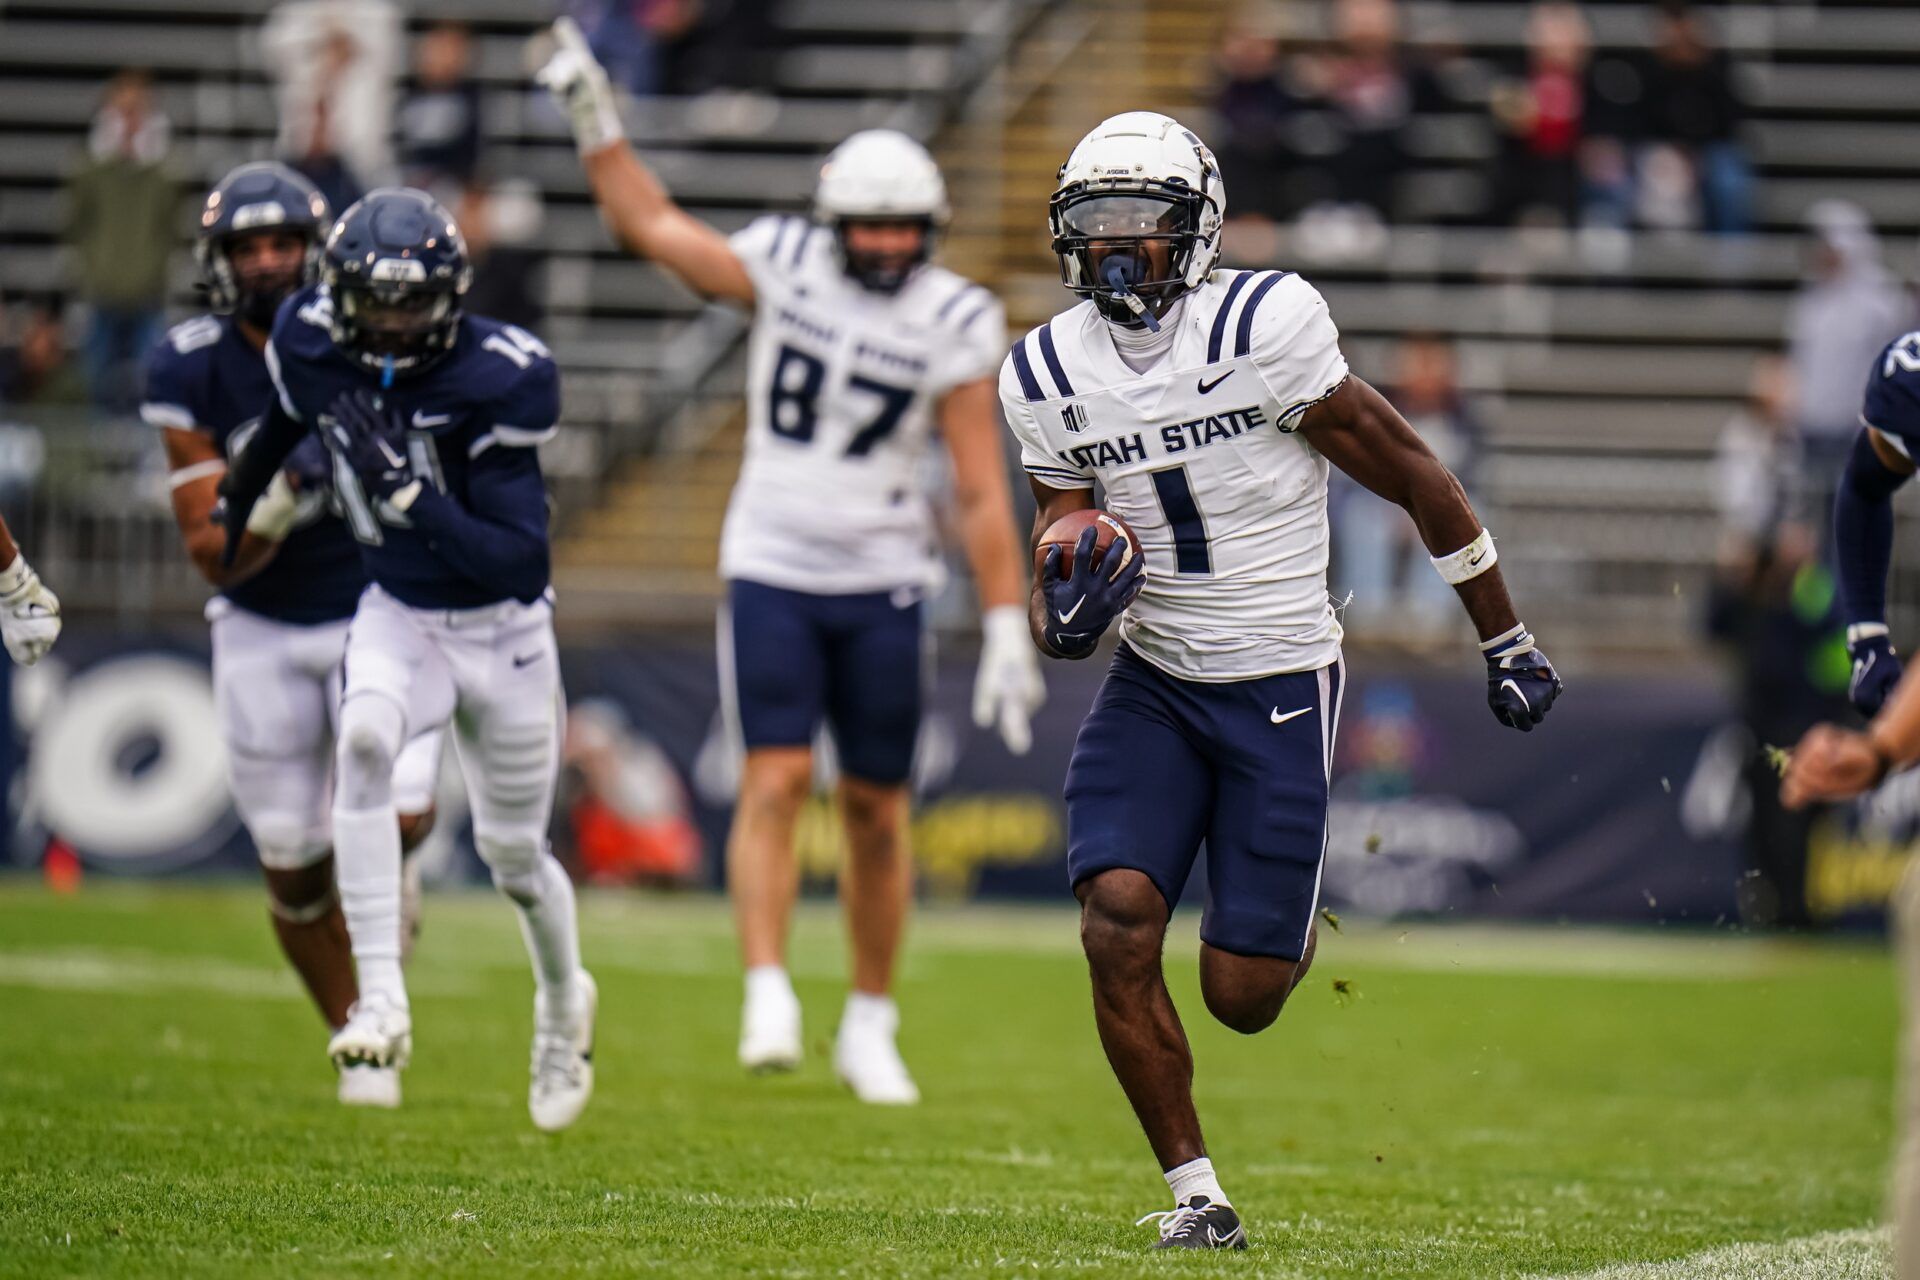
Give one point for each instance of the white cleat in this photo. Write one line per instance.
(378, 1033)
(563, 1060)
(770, 1031)
(869, 1063)
(362, 1085)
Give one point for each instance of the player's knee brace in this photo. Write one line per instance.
(287, 841)
(515, 857)
(371, 732)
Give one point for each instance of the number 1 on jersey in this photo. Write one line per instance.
(1190, 551)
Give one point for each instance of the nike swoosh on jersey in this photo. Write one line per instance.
(1205, 386)
(525, 659)
(422, 421)
(1277, 718)
(1067, 615)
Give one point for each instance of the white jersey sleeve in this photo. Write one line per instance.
(772, 249)
(1296, 348)
(1049, 468)
(976, 323)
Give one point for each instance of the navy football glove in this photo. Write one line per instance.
(1521, 684)
(373, 441)
(1085, 602)
(1876, 668)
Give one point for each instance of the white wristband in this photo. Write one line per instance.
(1865, 631)
(1469, 562)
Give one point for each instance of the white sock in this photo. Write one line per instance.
(366, 862)
(1195, 1178)
(550, 924)
(769, 982)
(870, 1011)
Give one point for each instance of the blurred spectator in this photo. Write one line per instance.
(439, 123)
(1256, 111)
(121, 203)
(627, 808)
(1371, 101)
(1757, 477)
(1772, 606)
(1564, 159)
(1689, 104)
(334, 62)
(1849, 307)
(502, 225)
(629, 36)
(1381, 558)
(36, 369)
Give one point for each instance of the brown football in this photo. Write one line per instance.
(1065, 533)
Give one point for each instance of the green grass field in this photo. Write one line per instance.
(1485, 1103)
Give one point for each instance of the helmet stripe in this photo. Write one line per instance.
(1220, 317)
(1243, 337)
(1029, 385)
(1053, 360)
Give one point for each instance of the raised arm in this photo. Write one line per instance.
(635, 205)
(1357, 431)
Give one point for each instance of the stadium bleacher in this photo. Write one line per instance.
(1605, 377)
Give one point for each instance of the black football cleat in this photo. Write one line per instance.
(1199, 1224)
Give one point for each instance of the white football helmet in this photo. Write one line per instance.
(1137, 177)
(881, 175)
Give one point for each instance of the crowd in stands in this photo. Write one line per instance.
(362, 102)
(1336, 129)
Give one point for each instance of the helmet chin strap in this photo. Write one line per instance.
(1120, 272)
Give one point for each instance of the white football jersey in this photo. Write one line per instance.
(842, 384)
(1199, 455)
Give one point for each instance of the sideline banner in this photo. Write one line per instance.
(1618, 809)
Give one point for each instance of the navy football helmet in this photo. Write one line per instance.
(260, 197)
(397, 268)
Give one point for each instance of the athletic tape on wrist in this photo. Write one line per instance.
(1469, 562)
(1866, 631)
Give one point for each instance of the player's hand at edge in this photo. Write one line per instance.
(1876, 667)
(1083, 604)
(29, 613)
(1831, 763)
(1008, 688)
(1521, 683)
(580, 85)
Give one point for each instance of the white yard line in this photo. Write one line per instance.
(1860, 1254)
(133, 971)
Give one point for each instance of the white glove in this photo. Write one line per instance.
(273, 515)
(29, 613)
(1008, 689)
(580, 85)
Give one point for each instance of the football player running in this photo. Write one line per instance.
(1881, 462)
(430, 417)
(1208, 405)
(860, 348)
(279, 621)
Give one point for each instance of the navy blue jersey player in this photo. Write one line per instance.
(1882, 460)
(280, 620)
(430, 418)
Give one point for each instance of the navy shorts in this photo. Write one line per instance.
(789, 659)
(1163, 764)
